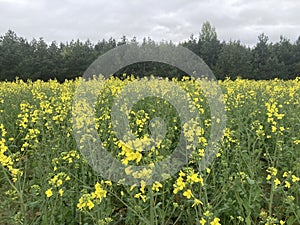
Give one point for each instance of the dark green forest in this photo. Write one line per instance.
(37, 59)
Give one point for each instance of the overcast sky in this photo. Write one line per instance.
(176, 20)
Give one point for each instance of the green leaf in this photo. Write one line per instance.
(250, 181)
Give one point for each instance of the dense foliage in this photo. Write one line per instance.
(254, 179)
(38, 60)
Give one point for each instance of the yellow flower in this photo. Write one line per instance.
(49, 193)
(90, 204)
(263, 214)
(99, 192)
(156, 186)
(216, 221)
(201, 152)
(277, 182)
(291, 198)
(128, 170)
(143, 185)
(202, 221)
(108, 182)
(139, 195)
(59, 182)
(132, 187)
(181, 174)
(197, 202)
(295, 179)
(206, 213)
(194, 179)
(188, 193)
(240, 218)
(287, 184)
(61, 191)
(272, 170)
(179, 185)
(85, 201)
(281, 222)
(208, 170)
(285, 174)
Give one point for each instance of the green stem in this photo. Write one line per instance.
(271, 199)
(20, 194)
(135, 212)
(153, 218)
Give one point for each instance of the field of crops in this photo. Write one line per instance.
(254, 178)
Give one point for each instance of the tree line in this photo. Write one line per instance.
(38, 60)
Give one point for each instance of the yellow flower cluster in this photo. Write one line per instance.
(132, 150)
(274, 116)
(262, 132)
(184, 183)
(57, 182)
(269, 220)
(69, 156)
(156, 186)
(7, 161)
(287, 176)
(88, 201)
(208, 216)
(58, 179)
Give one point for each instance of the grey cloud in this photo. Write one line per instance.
(162, 20)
